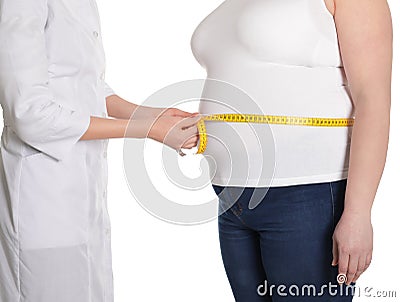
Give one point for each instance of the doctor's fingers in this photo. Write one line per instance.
(191, 142)
(181, 113)
(176, 137)
(189, 121)
(187, 134)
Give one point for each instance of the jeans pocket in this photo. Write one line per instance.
(223, 201)
(229, 198)
(217, 189)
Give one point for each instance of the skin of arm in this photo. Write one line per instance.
(171, 126)
(120, 108)
(365, 34)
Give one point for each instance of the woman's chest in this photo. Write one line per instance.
(293, 32)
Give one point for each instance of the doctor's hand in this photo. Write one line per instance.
(156, 112)
(176, 131)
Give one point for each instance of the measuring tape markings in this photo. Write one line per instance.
(266, 119)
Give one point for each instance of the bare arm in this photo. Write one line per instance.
(365, 37)
(120, 108)
(171, 126)
(103, 128)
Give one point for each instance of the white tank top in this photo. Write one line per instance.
(284, 55)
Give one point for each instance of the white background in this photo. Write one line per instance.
(147, 45)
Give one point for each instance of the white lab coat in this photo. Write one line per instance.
(54, 225)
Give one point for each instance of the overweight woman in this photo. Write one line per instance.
(54, 225)
(302, 58)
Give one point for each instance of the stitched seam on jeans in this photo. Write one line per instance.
(333, 207)
(240, 219)
(240, 208)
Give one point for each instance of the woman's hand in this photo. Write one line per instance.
(353, 244)
(176, 131)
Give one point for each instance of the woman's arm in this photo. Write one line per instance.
(364, 30)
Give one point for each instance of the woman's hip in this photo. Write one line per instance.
(304, 207)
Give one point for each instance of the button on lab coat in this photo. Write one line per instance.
(54, 225)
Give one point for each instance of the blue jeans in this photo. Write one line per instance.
(281, 250)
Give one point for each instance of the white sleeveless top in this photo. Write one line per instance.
(284, 56)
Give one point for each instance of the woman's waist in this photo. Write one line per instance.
(279, 93)
(311, 104)
(246, 141)
(289, 153)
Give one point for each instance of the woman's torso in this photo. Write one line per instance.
(284, 55)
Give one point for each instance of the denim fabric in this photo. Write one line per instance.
(281, 250)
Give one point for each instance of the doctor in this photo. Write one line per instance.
(54, 225)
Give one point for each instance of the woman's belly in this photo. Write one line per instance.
(239, 152)
(263, 155)
(249, 154)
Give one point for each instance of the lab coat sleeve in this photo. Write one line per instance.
(28, 103)
(108, 90)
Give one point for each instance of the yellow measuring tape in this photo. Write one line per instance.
(266, 119)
